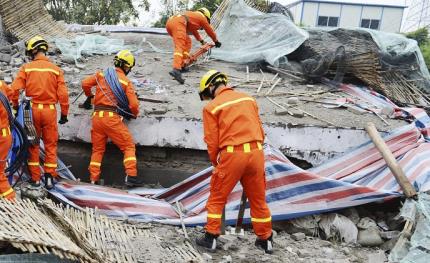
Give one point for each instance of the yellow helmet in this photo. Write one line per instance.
(124, 58)
(36, 42)
(205, 12)
(211, 77)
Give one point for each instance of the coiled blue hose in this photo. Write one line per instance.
(112, 79)
(18, 153)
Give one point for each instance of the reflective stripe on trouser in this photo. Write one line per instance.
(113, 128)
(248, 168)
(45, 122)
(177, 29)
(5, 190)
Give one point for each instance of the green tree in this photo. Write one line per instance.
(100, 12)
(420, 35)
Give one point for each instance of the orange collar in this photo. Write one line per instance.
(41, 57)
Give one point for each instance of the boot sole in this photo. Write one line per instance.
(181, 81)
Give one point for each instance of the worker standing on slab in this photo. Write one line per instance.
(178, 27)
(114, 100)
(234, 136)
(43, 82)
(6, 191)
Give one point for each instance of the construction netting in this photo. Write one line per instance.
(89, 44)
(249, 35)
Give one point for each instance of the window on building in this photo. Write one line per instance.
(370, 23)
(330, 21)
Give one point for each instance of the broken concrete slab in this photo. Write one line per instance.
(298, 236)
(378, 257)
(5, 57)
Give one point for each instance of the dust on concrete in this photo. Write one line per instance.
(152, 69)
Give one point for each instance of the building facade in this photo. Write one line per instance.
(348, 14)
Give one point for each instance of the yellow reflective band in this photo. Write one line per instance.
(52, 107)
(101, 114)
(94, 114)
(216, 216)
(42, 70)
(33, 163)
(40, 106)
(4, 132)
(95, 164)
(50, 165)
(123, 82)
(261, 220)
(8, 192)
(101, 74)
(129, 159)
(230, 149)
(1, 83)
(260, 147)
(230, 103)
(110, 114)
(186, 53)
(178, 54)
(246, 147)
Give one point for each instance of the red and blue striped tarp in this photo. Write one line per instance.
(358, 177)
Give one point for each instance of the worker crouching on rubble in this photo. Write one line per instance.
(114, 100)
(234, 135)
(43, 82)
(178, 27)
(5, 139)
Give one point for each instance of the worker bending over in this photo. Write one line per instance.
(178, 27)
(113, 88)
(234, 136)
(43, 82)
(5, 139)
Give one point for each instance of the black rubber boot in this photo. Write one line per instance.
(185, 69)
(49, 181)
(207, 241)
(266, 245)
(34, 184)
(133, 181)
(176, 74)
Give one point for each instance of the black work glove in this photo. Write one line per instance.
(202, 42)
(63, 119)
(217, 44)
(87, 104)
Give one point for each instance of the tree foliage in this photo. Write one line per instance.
(422, 37)
(100, 12)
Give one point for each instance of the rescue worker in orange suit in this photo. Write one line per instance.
(44, 83)
(234, 136)
(106, 121)
(5, 142)
(178, 27)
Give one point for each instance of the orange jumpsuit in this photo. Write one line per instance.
(233, 134)
(44, 82)
(5, 143)
(108, 124)
(180, 26)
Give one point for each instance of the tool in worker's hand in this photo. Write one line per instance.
(196, 55)
(77, 97)
(239, 222)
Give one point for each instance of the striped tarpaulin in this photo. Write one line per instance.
(358, 177)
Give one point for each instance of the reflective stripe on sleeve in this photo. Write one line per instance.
(8, 192)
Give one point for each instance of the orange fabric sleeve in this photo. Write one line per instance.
(17, 85)
(62, 94)
(209, 30)
(132, 99)
(88, 83)
(211, 135)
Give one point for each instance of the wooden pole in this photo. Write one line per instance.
(389, 158)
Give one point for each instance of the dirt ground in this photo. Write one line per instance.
(151, 79)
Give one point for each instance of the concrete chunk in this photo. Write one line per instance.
(5, 57)
(298, 236)
(378, 257)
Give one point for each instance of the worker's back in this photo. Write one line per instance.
(237, 117)
(42, 80)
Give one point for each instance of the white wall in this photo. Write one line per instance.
(310, 14)
(391, 19)
(297, 12)
(350, 16)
